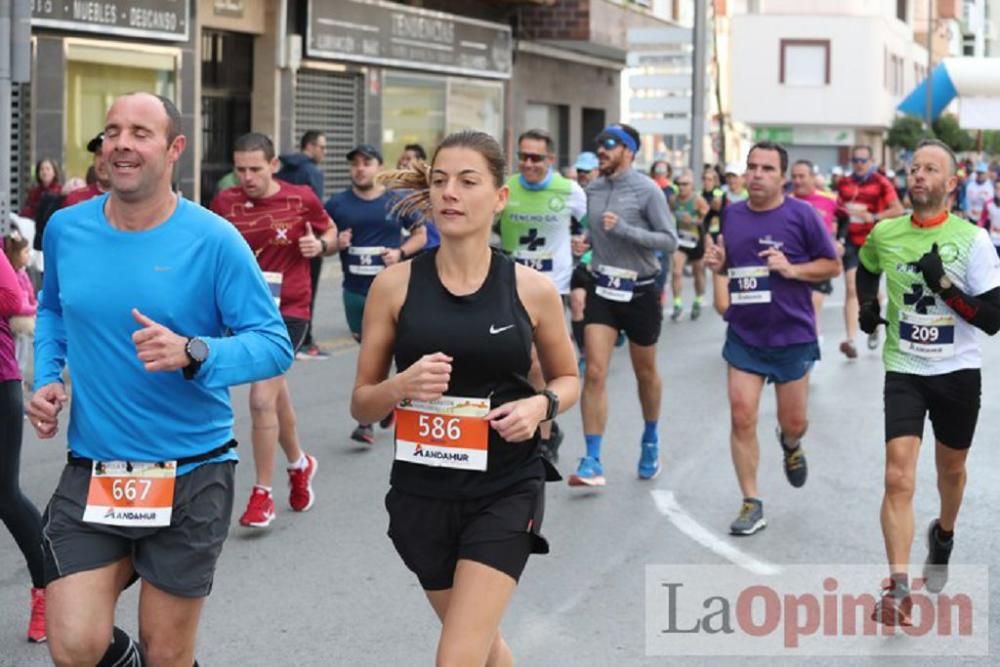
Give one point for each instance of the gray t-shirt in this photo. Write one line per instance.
(645, 224)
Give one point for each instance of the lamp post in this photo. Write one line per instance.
(930, 55)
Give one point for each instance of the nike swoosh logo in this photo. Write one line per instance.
(494, 330)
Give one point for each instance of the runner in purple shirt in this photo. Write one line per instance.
(771, 248)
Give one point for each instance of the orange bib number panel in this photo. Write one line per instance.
(451, 432)
(131, 494)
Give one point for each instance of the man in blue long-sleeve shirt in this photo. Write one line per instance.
(141, 289)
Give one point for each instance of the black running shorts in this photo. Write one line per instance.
(297, 330)
(824, 287)
(851, 258)
(179, 559)
(581, 277)
(432, 534)
(952, 400)
(641, 318)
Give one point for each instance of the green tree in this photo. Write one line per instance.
(906, 132)
(991, 142)
(947, 130)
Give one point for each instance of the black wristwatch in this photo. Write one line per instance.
(197, 352)
(324, 246)
(553, 400)
(402, 253)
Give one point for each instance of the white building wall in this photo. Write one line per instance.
(858, 93)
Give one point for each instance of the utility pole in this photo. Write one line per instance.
(930, 56)
(15, 67)
(698, 90)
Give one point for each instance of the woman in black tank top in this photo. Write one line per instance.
(467, 495)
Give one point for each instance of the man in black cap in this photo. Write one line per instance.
(102, 183)
(371, 238)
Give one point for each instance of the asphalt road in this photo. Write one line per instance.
(327, 588)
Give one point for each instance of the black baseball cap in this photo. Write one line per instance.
(94, 145)
(365, 149)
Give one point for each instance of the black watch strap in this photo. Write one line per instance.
(553, 407)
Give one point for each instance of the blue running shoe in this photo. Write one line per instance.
(589, 473)
(649, 461)
(581, 366)
(620, 341)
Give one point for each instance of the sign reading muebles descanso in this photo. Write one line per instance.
(373, 31)
(151, 19)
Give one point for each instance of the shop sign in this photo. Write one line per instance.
(806, 136)
(150, 19)
(384, 33)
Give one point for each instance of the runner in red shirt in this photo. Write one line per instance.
(285, 226)
(868, 197)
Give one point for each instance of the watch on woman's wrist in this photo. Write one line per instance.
(553, 404)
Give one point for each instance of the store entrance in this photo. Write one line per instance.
(226, 90)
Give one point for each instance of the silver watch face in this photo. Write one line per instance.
(198, 349)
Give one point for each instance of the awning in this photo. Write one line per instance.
(974, 81)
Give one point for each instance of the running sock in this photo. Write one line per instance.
(899, 584)
(944, 535)
(789, 447)
(678, 301)
(578, 334)
(263, 488)
(649, 434)
(300, 464)
(123, 652)
(697, 299)
(593, 445)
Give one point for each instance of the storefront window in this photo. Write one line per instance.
(423, 109)
(475, 106)
(95, 76)
(412, 113)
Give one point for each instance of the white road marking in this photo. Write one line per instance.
(668, 506)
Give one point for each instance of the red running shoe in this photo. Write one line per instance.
(260, 509)
(300, 490)
(36, 626)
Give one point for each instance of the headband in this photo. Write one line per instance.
(621, 135)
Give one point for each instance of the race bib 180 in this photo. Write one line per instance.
(749, 284)
(451, 432)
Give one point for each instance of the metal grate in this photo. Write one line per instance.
(20, 145)
(333, 103)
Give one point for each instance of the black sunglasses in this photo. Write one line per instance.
(859, 160)
(531, 157)
(608, 143)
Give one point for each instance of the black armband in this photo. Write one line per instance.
(575, 226)
(982, 312)
(866, 284)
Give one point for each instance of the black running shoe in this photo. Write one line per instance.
(795, 463)
(938, 553)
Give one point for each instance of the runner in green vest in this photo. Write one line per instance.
(689, 209)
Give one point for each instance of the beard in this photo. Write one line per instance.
(610, 167)
(364, 186)
(931, 199)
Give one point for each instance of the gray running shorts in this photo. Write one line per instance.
(179, 559)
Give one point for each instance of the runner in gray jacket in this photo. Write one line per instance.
(629, 222)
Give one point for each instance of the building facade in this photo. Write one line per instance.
(385, 73)
(822, 75)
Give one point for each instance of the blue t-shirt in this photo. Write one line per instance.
(374, 227)
(195, 275)
(767, 310)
